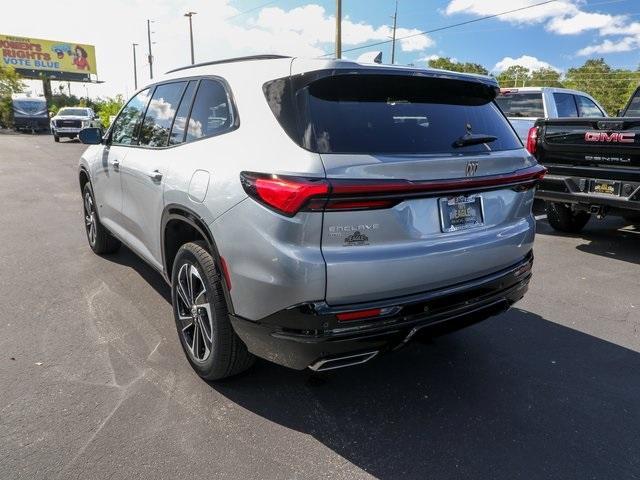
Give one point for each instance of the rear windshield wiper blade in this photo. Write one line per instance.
(473, 139)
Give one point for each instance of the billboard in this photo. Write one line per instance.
(37, 57)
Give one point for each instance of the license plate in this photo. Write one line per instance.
(605, 187)
(461, 213)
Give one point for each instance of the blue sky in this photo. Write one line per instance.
(489, 41)
(560, 34)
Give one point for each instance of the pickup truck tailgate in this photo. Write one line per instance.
(590, 142)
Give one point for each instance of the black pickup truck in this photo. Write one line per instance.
(593, 167)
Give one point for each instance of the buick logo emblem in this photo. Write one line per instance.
(471, 169)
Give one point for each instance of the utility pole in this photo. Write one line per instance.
(135, 67)
(393, 41)
(150, 54)
(338, 28)
(191, 14)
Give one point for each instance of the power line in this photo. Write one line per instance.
(251, 10)
(487, 17)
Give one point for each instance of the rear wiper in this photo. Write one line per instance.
(473, 139)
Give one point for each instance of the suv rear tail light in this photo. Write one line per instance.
(288, 195)
(285, 194)
(532, 140)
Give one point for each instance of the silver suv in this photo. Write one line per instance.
(315, 213)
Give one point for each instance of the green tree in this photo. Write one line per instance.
(611, 87)
(106, 108)
(545, 77)
(445, 63)
(514, 76)
(9, 83)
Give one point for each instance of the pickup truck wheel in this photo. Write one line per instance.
(99, 238)
(562, 218)
(202, 318)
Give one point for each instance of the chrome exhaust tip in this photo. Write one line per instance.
(342, 362)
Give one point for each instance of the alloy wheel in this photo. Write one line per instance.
(90, 218)
(194, 312)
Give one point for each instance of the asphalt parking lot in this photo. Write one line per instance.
(94, 384)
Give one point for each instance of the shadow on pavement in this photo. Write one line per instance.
(608, 238)
(127, 258)
(514, 397)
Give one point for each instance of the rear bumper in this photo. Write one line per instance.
(310, 334)
(566, 189)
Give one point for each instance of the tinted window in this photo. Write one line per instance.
(211, 113)
(521, 104)
(160, 114)
(399, 115)
(78, 112)
(587, 108)
(177, 131)
(566, 105)
(124, 128)
(634, 107)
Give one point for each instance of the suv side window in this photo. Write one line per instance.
(565, 105)
(211, 112)
(179, 124)
(160, 114)
(587, 108)
(124, 130)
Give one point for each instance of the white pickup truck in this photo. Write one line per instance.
(523, 106)
(70, 120)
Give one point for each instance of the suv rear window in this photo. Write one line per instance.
(522, 104)
(390, 114)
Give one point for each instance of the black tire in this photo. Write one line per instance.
(563, 219)
(56, 138)
(227, 354)
(100, 239)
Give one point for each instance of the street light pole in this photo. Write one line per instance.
(338, 28)
(135, 67)
(393, 42)
(150, 54)
(191, 14)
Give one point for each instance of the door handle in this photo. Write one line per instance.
(156, 176)
(116, 165)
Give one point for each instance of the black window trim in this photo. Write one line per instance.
(233, 110)
(184, 92)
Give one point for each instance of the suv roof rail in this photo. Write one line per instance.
(231, 60)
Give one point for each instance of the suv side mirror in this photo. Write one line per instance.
(91, 136)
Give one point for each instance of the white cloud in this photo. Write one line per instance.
(582, 21)
(564, 17)
(307, 30)
(532, 63)
(492, 7)
(607, 46)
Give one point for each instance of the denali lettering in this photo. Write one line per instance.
(597, 158)
(615, 137)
